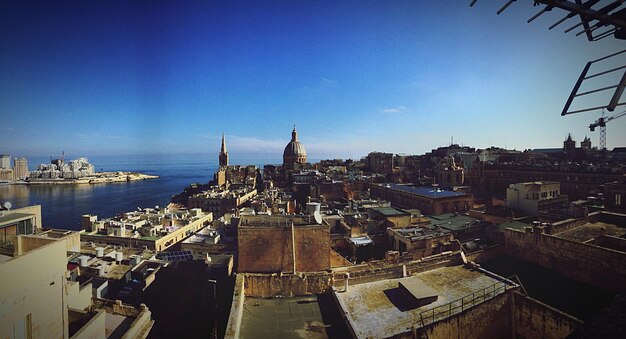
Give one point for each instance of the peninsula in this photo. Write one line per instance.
(96, 178)
(58, 171)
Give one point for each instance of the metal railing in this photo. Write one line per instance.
(457, 306)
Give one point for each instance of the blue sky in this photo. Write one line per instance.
(145, 77)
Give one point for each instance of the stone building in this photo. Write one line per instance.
(448, 174)
(421, 241)
(282, 243)
(20, 221)
(531, 197)
(428, 200)
(294, 153)
(615, 196)
(220, 201)
(379, 162)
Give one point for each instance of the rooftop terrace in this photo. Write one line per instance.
(298, 317)
(380, 309)
(590, 231)
(14, 217)
(428, 192)
(419, 233)
(389, 211)
(453, 222)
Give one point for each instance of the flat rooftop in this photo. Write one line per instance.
(298, 317)
(428, 192)
(516, 225)
(279, 221)
(115, 325)
(380, 310)
(590, 231)
(453, 222)
(389, 211)
(419, 233)
(14, 217)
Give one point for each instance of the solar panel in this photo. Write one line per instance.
(175, 255)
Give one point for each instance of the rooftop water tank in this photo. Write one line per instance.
(311, 207)
(99, 252)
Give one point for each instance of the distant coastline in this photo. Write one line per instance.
(96, 178)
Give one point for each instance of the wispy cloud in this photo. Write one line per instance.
(7, 129)
(207, 136)
(395, 110)
(253, 144)
(329, 81)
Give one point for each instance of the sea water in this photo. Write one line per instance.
(62, 205)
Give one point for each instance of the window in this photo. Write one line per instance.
(618, 199)
(29, 326)
(25, 227)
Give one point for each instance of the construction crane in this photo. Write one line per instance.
(601, 122)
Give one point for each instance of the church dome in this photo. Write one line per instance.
(294, 151)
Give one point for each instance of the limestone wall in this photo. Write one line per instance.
(78, 297)
(236, 309)
(378, 270)
(565, 225)
(586, 263)
(607, 241)
(26, 243)
(286, 285)
(508, 315)
(490, 319)
(141, 326)
(534, 319)
(32, 293)
(486, 254)
(269, 249)
(94, 328)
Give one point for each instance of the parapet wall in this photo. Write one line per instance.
(486, 254)
(490, 319)
(534, 319)
(586, 263)
(236, 309)
(288, 285)
(565, 225)
(384, 269)
(508, 315)
(141, 326)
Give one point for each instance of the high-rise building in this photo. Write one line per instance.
(5, 161)
(223, 157)
(20, 168)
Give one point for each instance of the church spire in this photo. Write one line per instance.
(223, 150)
(223, 157)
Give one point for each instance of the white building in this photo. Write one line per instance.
(531, 197)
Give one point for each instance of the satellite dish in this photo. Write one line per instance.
(7, 205)
(318, 217)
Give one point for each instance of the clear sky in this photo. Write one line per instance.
(146, 77)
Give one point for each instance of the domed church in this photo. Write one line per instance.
(294, 152)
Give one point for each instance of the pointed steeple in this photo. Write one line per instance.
(223, 157)
(223, 150)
